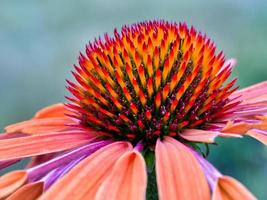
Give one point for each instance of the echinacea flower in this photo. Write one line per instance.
(143, 102)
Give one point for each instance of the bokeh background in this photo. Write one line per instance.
(40, 41)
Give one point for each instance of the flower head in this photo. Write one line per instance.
(142, 102)
(153, 80)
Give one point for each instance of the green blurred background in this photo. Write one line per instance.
(40, 41)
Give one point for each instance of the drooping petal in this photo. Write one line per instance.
(56, 174)
(55, 110)
(238, 128)
(48, 119)
(10, 182)
(259, 135)
(211, 173)
(41, 144)
(196, 135)
(38, 171)
(257, 130)
(227, 188)
(179, 175)
(127, 180)
(251, 93)
(38, 126)
(30, 191)
(85, 178)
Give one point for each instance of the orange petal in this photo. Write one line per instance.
(179, 175)
(264, 118)
(41, 144)
(85, 178)
(238, 128)
(227, 188)
(258, 135)
(196, 135)
(261, 125)
(49, 119)
(29, 191)
(55, 110)
(44, 129)
(39, 125)
(10, 182)
(128, 179)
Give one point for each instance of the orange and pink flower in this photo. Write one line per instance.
(143, 102)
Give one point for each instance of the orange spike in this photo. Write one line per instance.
(111, 91)
(126, 56)
(142, 97)
(117, 103)
(180, 92)
(158, 79)
(149, 46)
(129, 71)
(133, 108)
(136, 86)
(144, 52)
(174, 105)
(140, 124)
(183, 124)
(106, 112)
(165, 69)
(108, 78)
(165, 92)
(112, 128)
(100, 72)
(148, 115)
(119, 80)
(142, 77)
(91, 102)
(101, 99)
(149, 66)
(158, 100)
(105, 62)
(127, 94)
(156, 58)
(124, 118)
(174, 81)
(163, 50)
(137, 59)
(150, 87)
(166, 117)
(97, 83)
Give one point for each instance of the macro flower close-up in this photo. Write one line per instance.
(145, 107)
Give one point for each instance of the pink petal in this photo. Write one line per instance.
(252, 92)
(179, 175)
(11, 181)
(33, 145)
(127, 180)
(29, 191)
(227, 188)
(205, 136)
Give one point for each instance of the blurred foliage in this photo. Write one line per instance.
(40, 40)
